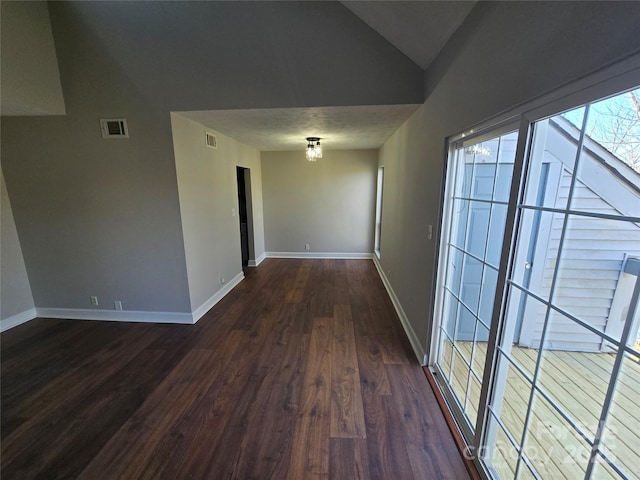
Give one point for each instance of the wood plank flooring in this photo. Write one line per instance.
(301, 372)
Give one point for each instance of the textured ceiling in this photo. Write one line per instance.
(419, 29)
(340, 128)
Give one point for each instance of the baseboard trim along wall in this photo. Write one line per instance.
(257, 261)
(199, 312)
(18, 319)
(191, 318)
(122, 315)
(418, 349)
(332, 255)
(115, 315)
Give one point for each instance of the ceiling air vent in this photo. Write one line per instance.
(114, 128)
(211, 140)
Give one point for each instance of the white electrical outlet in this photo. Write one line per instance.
(222, 280)
(307, 247)
(430, 232)
(94, 301)
(117, 305)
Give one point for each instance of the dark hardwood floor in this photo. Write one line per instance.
(301, 372)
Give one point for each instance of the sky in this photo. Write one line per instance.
(615, 124)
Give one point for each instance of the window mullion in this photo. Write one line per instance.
(553, 283)
(482, 435)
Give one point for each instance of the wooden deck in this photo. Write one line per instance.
(577, 383)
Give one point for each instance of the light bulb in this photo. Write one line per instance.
(312, 155)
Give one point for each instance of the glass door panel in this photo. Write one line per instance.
(566, 380)
(477, 204)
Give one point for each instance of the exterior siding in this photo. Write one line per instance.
(592, 259)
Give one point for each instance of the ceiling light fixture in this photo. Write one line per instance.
(314, 150)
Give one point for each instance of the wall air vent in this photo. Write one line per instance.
(211, 140)
(114, 128)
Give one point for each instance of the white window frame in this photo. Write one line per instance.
(609, 81)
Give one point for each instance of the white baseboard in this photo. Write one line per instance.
(115, 315)
(333, 255)
(123, 315)
(216, 297)
(418, 349)
(17, 319)
(257, 261)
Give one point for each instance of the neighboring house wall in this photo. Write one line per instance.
(328, 204)
(16, 300)
(595, 249)
(545, 45)
(208, 193)
(30, 77)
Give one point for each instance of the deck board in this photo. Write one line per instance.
(577, 382)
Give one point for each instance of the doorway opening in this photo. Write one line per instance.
(378, 230)
(245, 215)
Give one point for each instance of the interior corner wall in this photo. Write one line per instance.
(30, 76)
(101, 217)
(97, 217)
(15, 292)
(328, 204)
(208, 191)
(506, 54)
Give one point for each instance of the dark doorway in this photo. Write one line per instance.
(242, 213)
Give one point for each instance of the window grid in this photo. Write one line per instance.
(475, 257)
(466, 186)
(612, 464)
(546, 396)
(466, 307)
(460, 169)
(549, 308)
(563, 312)
(580, 213)
(566, 213)
(612, 386)
(552, 288)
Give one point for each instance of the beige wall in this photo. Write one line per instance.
(30, 77)
(328, 204)
(505, 54)
(208, 192)
(15, 291)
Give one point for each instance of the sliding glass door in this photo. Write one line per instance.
(478, 194)
(547, 384)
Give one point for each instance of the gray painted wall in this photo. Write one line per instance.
(30, 77)
(214, 55)
(97, 217)
(102, 217)
(504, 55)
(329, 204)
(15, 292)
(208, 191)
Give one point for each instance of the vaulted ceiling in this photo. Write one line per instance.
(412, 32)
(419, 29)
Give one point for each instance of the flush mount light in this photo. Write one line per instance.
(314, 150)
